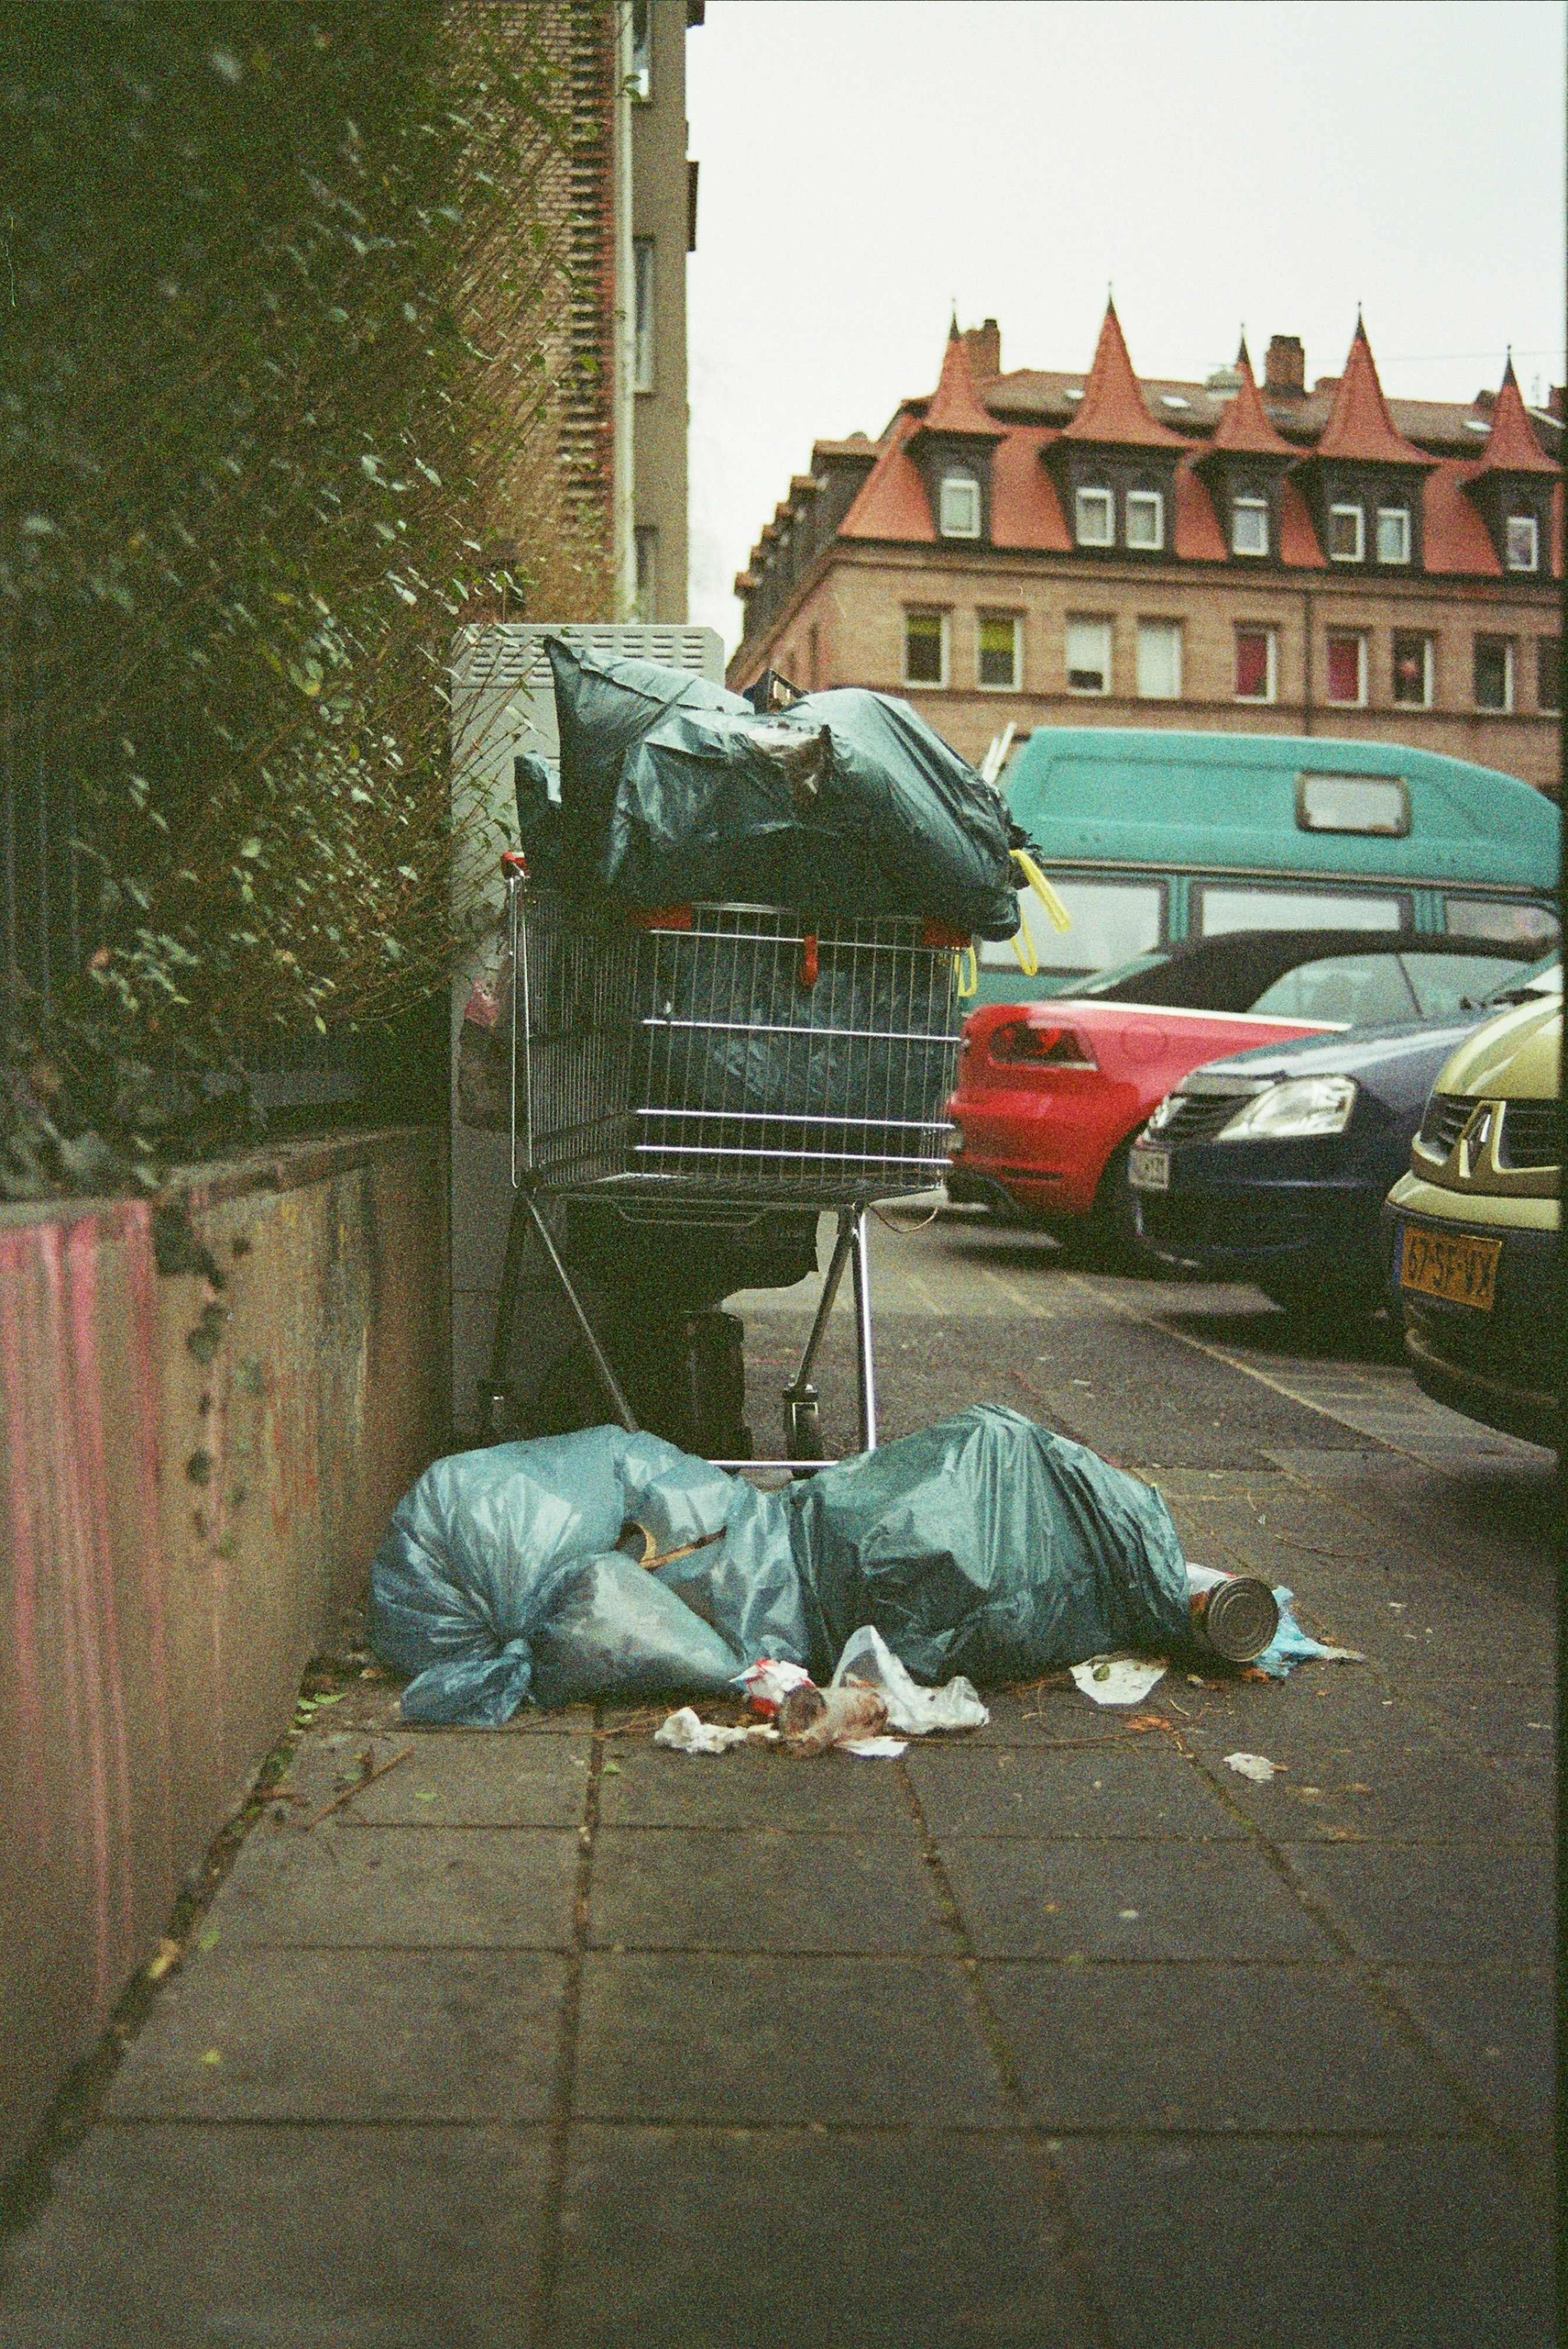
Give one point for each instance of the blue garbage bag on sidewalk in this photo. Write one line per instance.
(985, 1545)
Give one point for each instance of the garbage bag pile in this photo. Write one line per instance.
(845, 806)
(985, 1545)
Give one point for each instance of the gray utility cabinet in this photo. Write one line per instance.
(503, 702)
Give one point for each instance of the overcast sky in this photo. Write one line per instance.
(866, 163)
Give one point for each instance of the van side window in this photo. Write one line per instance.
(1223, 909)
(1375, 804)
(1503, 918)
(1112, 921)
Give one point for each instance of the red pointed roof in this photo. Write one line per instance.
(954, 408)
(1243, 430)
(1359, 427)
(1112, 411)
(1512, 446)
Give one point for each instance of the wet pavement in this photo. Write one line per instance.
(1062, 2032)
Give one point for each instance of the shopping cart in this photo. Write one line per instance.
(722, 1059)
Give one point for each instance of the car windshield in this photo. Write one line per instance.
(1544, 977)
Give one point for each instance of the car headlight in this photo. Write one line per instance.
(1298, 1106)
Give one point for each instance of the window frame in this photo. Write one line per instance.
(1090, 490)
(1534, 526)
(1172, 628)
(1014, 620)
(1307, 822)
(1335, 513)
(644, 298)
(925, 612)
(645, 573)
(1255, 506)
(1423, 637)
(1400, 514)
(1155, 497)
(1344, 635)
(956, 477)
(1505, 646)
(1270, 894)
(1271, 636)
(1089, 620)
(640, 73)
(1549, 664)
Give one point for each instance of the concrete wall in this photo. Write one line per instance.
(178, 1523)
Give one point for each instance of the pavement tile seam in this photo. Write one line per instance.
(1069, 2244)
(1384, 1994)
(547, 2271)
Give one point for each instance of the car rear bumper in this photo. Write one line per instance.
(1503, 1367)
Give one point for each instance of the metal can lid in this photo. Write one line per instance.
(1241, 1618)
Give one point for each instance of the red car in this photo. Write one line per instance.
(1050, 1093)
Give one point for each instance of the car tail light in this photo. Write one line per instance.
(1021, 1042)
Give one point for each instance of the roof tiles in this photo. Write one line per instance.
(1243, 430)
(954, 407)
(1360, 429)
(1512, 446)
(1111, 412)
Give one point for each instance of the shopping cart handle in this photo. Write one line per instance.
(513, 863)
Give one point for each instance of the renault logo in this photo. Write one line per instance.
(1473, 1140)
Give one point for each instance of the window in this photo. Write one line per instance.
(1347, 527)
(1494, 673)
(642, 319)
(1363, 990)
(1224, 910)
(1249, 526)
(997, 663)
(1413, 670)
(925, 648)
(1089, 656)
(1096, 518)
(1509, 921)
(1112, 921)
(1392, 534)
(1520, 543)
(958, 507)
(1346, 666)
(642, 50)
(1376, 805)
(1145, 519)
(1443, 982)
(1256, 655)
(1160, 661)
(645, 542)
(1548, 672)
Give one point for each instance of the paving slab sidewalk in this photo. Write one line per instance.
(1058, 2034)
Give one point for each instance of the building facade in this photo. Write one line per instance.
(1041, 549)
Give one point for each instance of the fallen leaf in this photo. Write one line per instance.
(422, 1795)
(612, 1769)
(212, 2056)
(168, 1955)
(208, 1940)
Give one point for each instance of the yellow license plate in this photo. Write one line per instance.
(1463, 1271)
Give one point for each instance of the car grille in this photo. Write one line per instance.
(1192, 1116)
(1529, 1134)
(1444, 1122)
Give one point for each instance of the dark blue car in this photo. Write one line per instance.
(1272, 1166)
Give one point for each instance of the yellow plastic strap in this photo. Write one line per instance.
(1023, 947)
(1060, 917)
(966, 966)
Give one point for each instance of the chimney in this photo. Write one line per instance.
(1285, 369)
(982, 347)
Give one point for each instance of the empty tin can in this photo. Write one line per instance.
(1234, 1616)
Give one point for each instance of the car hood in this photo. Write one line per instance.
(1516, 1056)
(1398, 1063)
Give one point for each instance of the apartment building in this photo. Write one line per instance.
(1040, 548)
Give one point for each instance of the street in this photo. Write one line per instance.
(1064, 2033)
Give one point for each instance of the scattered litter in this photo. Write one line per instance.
(917, 1711)
(684, 1734)
(875, 1749)
(1256, 1766)
(1292, 1645)
(811, 1719)
(766, 1683)
(1119, 1680)
(1233, 1615)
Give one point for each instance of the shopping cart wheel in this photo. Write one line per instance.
(802, 1425)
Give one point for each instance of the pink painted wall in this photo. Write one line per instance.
(176, 1533)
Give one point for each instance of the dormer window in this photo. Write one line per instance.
(959, 506)
(1522, 543)
(1096, 518)
(1146, 520)
(1346, 534)
(1249, 526)
(1392, 534)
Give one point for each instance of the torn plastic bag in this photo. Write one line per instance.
(989, 1545)
(845, 806)
(913, 1710)
(603, 708)
(497, 1580)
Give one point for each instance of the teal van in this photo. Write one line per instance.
(1148, 836)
